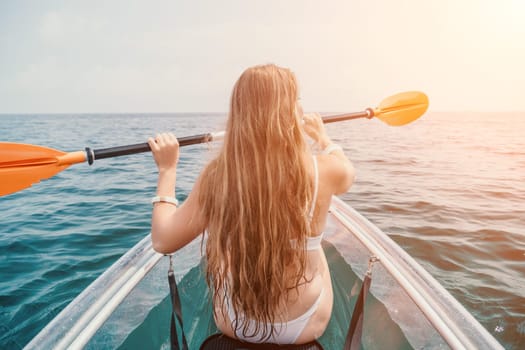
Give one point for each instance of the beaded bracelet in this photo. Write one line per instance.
(330, 148)
(165, 199)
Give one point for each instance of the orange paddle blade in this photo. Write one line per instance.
(22, 165)
(402, 108)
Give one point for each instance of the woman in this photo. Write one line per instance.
(263, 202)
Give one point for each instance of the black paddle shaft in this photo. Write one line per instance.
(196, 139)
(142, 147)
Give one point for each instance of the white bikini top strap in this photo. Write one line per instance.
(316, 187)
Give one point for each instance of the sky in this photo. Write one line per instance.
(185, 56)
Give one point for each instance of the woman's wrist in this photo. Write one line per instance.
(171, 171)
(324, 142)
(166, 182)
(165, 199)
(331, 148)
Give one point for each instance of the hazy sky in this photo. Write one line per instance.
(181, 56)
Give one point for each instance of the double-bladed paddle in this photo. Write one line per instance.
(22, 165)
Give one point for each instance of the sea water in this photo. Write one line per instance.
(449, 188)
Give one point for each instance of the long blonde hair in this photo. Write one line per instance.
(256, 195)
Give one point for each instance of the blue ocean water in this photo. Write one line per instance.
(449, 188)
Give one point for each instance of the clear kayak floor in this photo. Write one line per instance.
(153, 332)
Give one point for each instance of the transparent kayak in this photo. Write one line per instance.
(128, 306)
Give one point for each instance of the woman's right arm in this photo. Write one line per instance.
(340, 169)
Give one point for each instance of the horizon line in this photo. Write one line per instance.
(225, 113)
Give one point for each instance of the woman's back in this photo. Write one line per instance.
(306, 308)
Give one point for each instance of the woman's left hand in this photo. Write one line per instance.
(165, 149)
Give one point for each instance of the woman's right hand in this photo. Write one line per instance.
(165, 149)
(314, 127)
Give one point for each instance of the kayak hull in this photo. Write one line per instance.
(406, 307)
